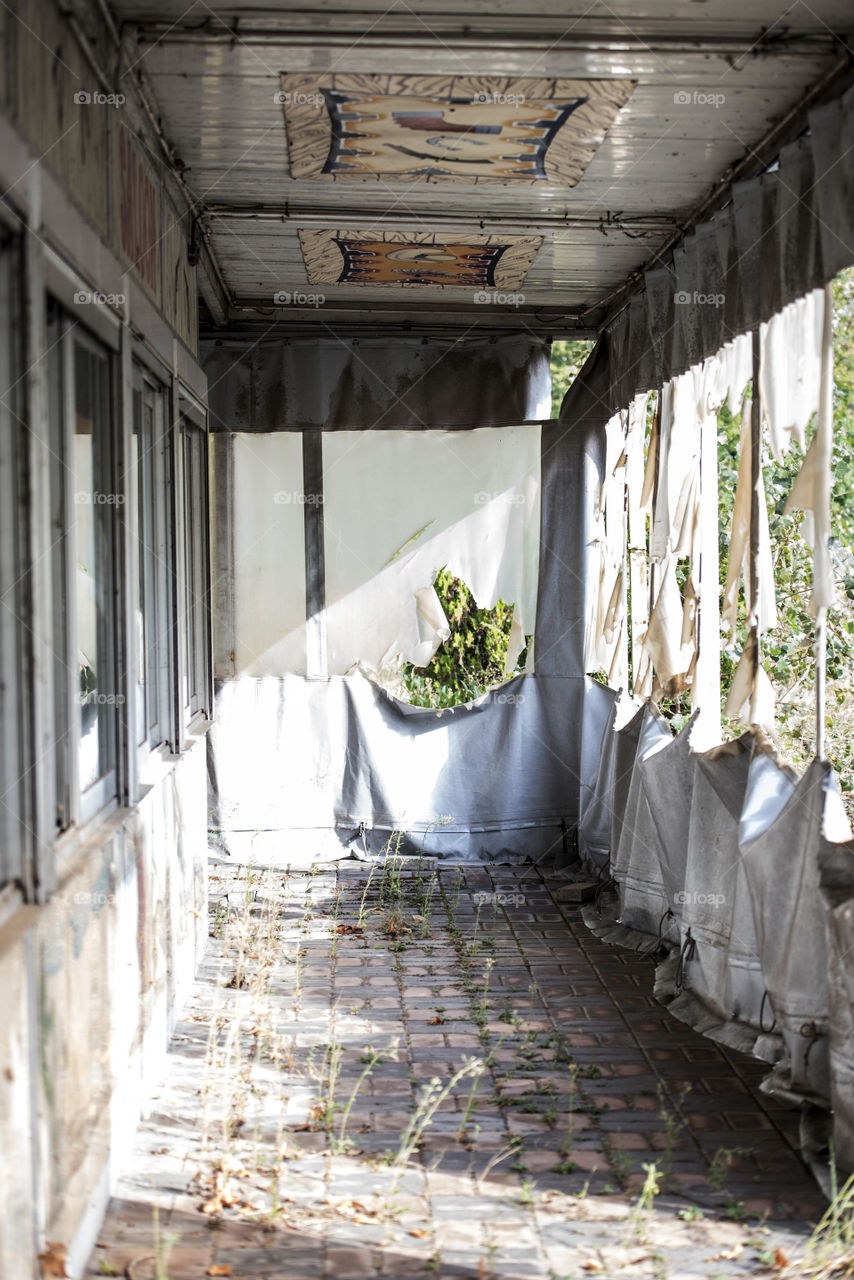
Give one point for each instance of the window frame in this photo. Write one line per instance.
(76, 805)
(16, 866)
(154, 560)
(194, 688)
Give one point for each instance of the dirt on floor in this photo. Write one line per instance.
(403, 1071)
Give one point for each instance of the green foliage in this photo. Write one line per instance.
(472, 659)
(787, 651)
(568, 355)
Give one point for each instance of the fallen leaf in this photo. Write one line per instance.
(350, 928)
(730, 1255)
(592, 1265)
(217, 1269)
(781, 1261)
(437, 1021)
(419, 1233)
(53, 1259)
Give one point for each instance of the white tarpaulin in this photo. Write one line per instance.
(401, 505)
(836, 870)
(303, 765)
(781, 863)
(636, 859)
(720, 961)
(260, 592)
(790, 370)
(811, 490)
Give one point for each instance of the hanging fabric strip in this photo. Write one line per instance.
(740, 527)
(790, 373)
(751, 694)
(671, 658)
(811, 490)
(739, 543)
(637, 553)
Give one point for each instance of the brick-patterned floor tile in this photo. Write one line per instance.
(533, 1162)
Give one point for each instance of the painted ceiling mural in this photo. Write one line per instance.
(461, 261)
(446, 129)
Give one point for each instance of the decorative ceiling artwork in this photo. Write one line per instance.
(445, 128)
(461, 261)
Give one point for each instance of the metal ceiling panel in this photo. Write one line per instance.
(710, 86)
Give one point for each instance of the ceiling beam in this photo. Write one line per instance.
(433, 316)
(518, 32)
(338, 215)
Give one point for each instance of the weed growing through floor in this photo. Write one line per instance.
(431, 1098)
(391, 874)
(722, 1162)
(340, 1144)
(567, 1165)
(363, 904)
(830, 1249)
(691, 1214)
(164, 1243)
(527, 1193)
(674, 1122)
(476, 1078)
(325, 1108)
(645, 1202)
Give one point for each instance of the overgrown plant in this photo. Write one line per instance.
(830, 1249)
(472, 659)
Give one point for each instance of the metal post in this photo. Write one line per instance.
(706, 692)
(755, 487)
(825, 428)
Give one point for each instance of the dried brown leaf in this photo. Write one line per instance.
(53, 1259)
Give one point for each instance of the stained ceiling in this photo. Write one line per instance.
(464, 166)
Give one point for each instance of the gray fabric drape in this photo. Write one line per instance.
(636, 859)
(296, 384)
(836, 872)
(301, 764)
(668, 782)
(782, 871)
(832, 138)
(783, 234)
(571, 470)
(799, 259)
(597, 800)
(721, 979)
(625, 754)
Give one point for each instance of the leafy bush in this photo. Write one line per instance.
(472, 659)
(568, 355)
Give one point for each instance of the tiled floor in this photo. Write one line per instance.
(292, 1136)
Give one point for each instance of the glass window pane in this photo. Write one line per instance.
(139, 557)
(151, 551)
(58, 558)
(95, 506)
(12, 542)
